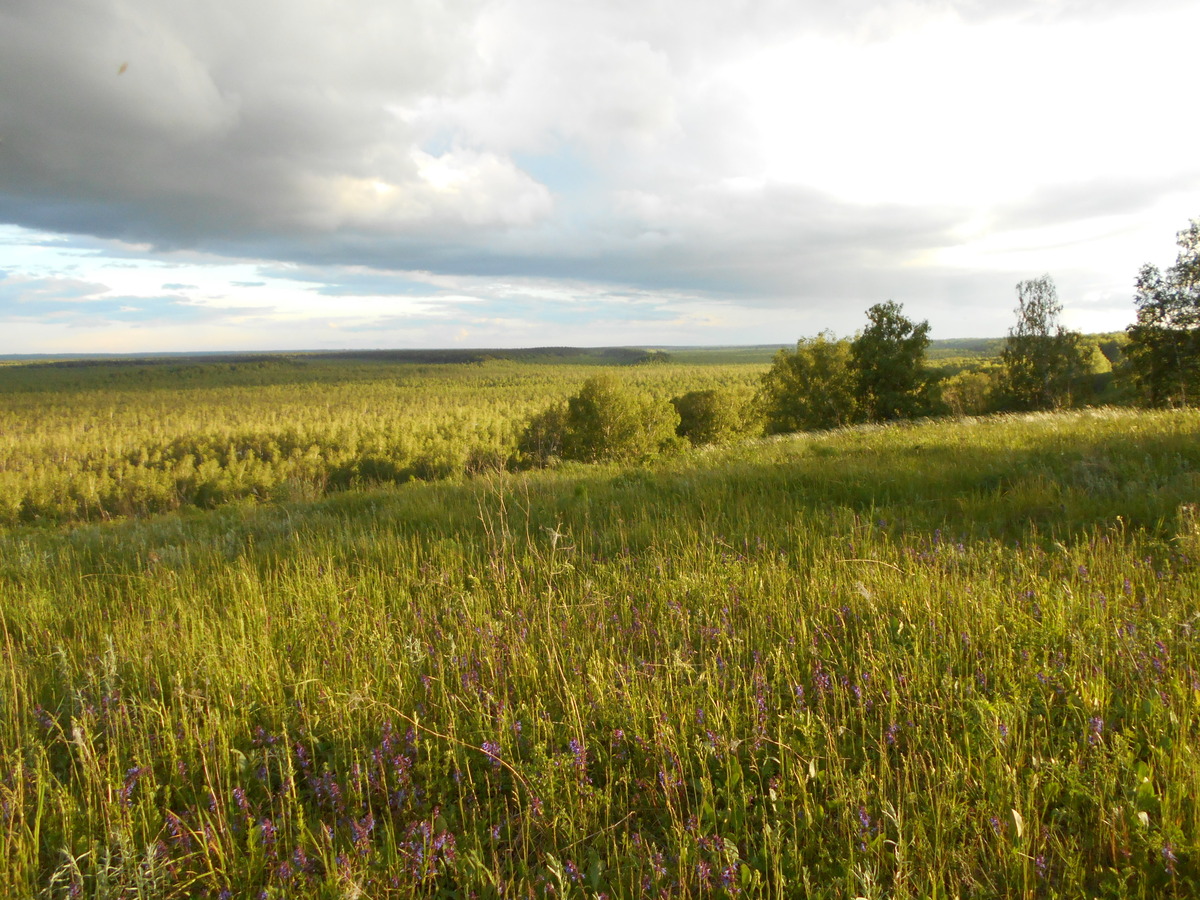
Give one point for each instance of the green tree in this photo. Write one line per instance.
(1164, 343)
(605, 420)
(1041, 361)
(709, 417)
(808, 388)
(542, 438)
(970, 392)
(888, 358)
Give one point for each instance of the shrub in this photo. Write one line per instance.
(809, 388)
(605, 420)
(542, 439)
(709, 417)
(969, 393)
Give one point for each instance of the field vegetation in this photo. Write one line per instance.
(955, 658)
(98, 439)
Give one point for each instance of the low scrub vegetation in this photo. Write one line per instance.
(98, 440)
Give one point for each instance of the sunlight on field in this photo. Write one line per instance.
(886, 661)
(92, 441)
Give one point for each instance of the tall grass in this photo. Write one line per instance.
(948, 659)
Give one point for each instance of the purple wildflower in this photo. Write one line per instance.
(492, 750)
(1169, 860)
(579, 752)
(131, 780)
(864, 819)
(267, 833)
(362, 833)
(729, 876)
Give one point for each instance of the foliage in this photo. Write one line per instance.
(102, 439)
(1093, 360)
(970, 392)
(653, 357)
(1112, 345)
(888, 359)
(1164, 342)
(714, 416)
(1041, 361)
(809, 388)
(977, 349)
(942, 659)
(608, 420)
(605, 420)
(541, 439)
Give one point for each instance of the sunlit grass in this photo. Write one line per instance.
(946, 659)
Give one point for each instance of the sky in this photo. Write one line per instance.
(271, 175)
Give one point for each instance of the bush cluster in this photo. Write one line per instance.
(605, 420)
(610, 420)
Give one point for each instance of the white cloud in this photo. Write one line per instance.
(967, 114)
(804, 159)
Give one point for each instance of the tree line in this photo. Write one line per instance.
(882, 375)
(97, 440)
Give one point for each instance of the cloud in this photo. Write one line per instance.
(1094, 198)
(21, 293)
(776, 155)
(76, 303)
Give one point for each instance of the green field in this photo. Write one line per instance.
(98, 439)
(953, 659)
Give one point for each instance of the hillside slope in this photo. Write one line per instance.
(955, 658)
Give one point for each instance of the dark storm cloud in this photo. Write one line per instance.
(210, 128)
(171, 123)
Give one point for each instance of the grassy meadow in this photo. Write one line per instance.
(944, 659)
